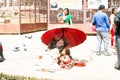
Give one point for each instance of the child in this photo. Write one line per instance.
(65, 60)
(60, 15)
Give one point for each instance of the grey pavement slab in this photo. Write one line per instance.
(24, 62)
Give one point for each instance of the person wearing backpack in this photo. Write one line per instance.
(117, 39)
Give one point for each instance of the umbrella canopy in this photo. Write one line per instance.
(74, 36)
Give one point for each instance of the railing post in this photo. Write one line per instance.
(84, 11)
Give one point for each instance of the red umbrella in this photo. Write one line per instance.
(74, 36)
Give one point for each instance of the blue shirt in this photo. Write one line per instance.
(101, 21)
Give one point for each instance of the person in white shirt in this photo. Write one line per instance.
(112, 27)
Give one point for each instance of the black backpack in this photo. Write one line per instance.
(117, 21)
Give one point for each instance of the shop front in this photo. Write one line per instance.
(22, 16)
(81, 10)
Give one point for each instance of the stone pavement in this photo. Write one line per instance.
(24, 62)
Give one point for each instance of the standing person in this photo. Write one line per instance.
(112, 27)
(117, 39)
(101, 21)
(1, 53)
(67, 19)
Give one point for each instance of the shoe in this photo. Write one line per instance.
(118, 68)
(113, 47)
(1, 59)
(98, 54)
(107, 54)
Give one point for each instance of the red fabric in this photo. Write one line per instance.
(66, 62)
(80, 64)
(74, 36)
(112, 41)
(112, 32)
(93, 28)
(112, 36)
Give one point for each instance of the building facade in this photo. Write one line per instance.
(23, 16)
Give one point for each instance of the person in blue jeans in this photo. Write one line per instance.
(100, 19)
